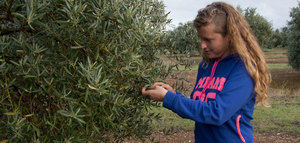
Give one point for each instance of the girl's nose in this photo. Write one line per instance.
(203, 45)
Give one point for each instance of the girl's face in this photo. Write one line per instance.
(213, 45)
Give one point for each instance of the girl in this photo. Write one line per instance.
(231, 77)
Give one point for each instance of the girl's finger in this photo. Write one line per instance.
(144, 92)
(158, 84)
(150, 87)
(168, 87)
(165, 86)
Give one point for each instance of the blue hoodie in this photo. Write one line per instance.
(221, 103)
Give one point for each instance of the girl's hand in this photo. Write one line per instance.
(166, 86)
(156, 93)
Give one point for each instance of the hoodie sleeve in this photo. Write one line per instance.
(236, 93)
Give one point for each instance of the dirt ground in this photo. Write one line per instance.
(277, 60)
(182, 136)
(188, 137)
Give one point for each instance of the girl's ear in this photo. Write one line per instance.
(228, 39)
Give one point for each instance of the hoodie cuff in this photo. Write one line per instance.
(169, 99)
(178, 93)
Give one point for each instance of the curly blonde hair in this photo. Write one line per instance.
(229, 22)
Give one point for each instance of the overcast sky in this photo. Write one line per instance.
(275, 11)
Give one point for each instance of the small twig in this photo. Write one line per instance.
(12, 31)
(8, 15)
(8, 93)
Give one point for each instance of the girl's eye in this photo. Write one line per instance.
(206, 40)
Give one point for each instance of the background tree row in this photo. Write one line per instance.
(183, 39)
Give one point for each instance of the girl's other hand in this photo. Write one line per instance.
(156, 93)
(166, 86)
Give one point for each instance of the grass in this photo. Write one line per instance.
(198, 58)
(276, 56)
(270, 66)
(275, 50)
(282, 116)
(279, 66)
(171, 121)
(182, 58)
(182, 67)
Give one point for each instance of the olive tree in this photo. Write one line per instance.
(293, 38)
(261, 28)
(73, 70)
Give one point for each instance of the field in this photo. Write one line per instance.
(279, 124)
